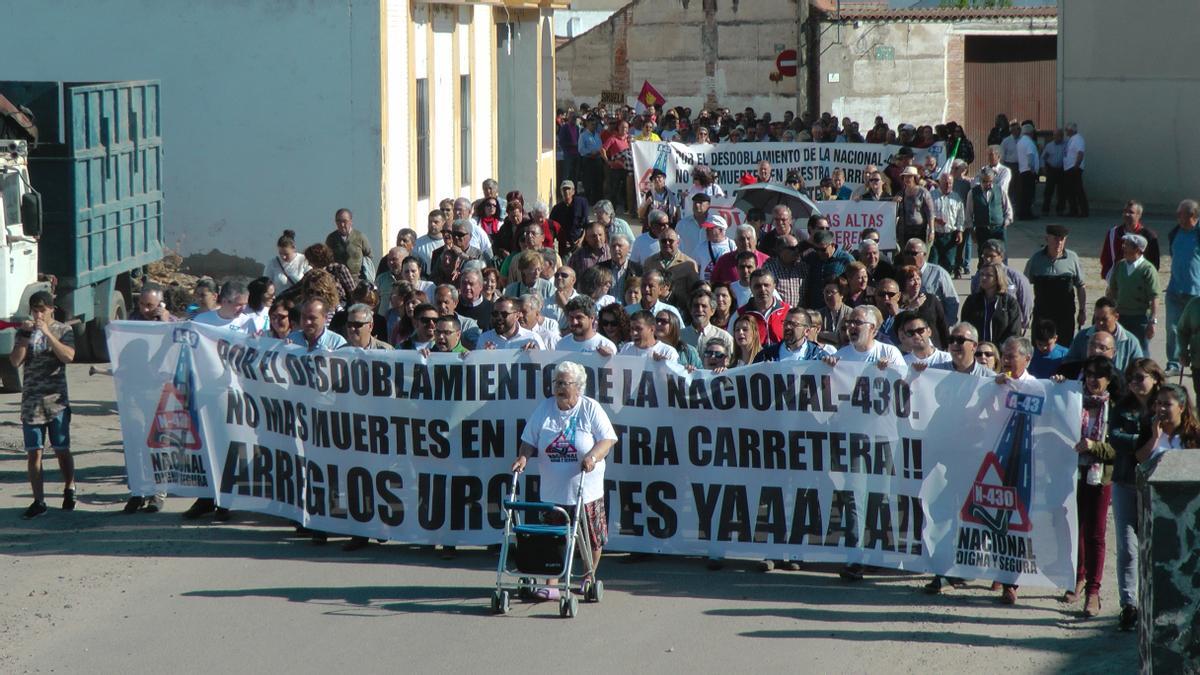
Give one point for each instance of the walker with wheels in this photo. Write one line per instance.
(543, 552)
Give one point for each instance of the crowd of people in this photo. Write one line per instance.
(517, 274)
(594, 150)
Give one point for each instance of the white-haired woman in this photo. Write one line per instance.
(604, 213)
(571, 434)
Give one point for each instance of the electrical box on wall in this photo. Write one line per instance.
(835, 77)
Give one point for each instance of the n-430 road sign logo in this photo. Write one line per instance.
(176, 424)
(999, 496)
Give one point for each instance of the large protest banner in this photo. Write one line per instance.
(936, 472)
(730, 161)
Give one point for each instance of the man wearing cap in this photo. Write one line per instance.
(1131, 223)
(715, 244)
(988, 209)
(691, 227)
(1057, 279)
(744, 239)
(1028, 166)
(914, 208)
(658, 198)
(1133, 285)
(571, 213)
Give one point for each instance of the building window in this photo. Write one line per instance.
(464, 128)
(422, 106)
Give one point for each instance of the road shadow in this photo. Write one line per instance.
(371, 601)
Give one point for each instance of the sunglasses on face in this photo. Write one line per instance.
(427, 319)
(958, 340)
(855, 323)
(358, 324)
(609, 322)
(889, 294)
(709, 354)
(460, 235)
(985, 355)
(913, 332)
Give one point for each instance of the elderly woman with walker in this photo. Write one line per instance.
(571, 435)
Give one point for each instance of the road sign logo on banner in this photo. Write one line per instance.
(999, 497)
(175, 429)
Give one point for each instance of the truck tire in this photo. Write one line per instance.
(10, 377)
(95, 328)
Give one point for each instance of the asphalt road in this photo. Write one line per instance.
(102, 592)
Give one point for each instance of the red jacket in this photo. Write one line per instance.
(1111, 253)
(770, 322)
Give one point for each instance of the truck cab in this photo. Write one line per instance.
(21, 218)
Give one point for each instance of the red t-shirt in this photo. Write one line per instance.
(613, 147)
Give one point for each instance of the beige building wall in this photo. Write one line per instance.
(1127, 77)
(906, 71)
(693, 59)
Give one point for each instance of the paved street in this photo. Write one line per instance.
(99, 591)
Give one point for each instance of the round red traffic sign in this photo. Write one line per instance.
(785, 63)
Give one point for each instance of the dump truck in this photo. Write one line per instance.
(82, 205)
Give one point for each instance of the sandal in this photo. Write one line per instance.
(545, 594)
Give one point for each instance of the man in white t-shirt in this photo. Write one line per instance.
(861, 327)
(581, 322)
(642, 341)
(1073, 166)
(507, 332)
(231, 303)
(915, 342)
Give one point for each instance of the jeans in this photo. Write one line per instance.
(1137, 325)
(964, 253)
(1125, 515)
(1091, 501)
(944, 252)
(1054, 182)
(1175, 304)
(616, 189)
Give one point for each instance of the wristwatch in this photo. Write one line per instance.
(1154, 321)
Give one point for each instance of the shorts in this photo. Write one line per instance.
(595, 521)
(58, 429)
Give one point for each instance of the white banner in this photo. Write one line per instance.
(730, 161)
(938, 472)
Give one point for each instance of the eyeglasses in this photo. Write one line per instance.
(564, 383)
(445, 331)
(709, 354)
(958, 340)
(503, 314)
(357, 324)
(460, 235)
(913, 332)
(873, 180)
(985, 355)
(427, 319)
(855, 323)
(794, 324)
(889, 294)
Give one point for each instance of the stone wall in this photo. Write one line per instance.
(695, 52)
(904, 70)
(1169, 564)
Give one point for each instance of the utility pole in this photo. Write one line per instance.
(802, 57)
